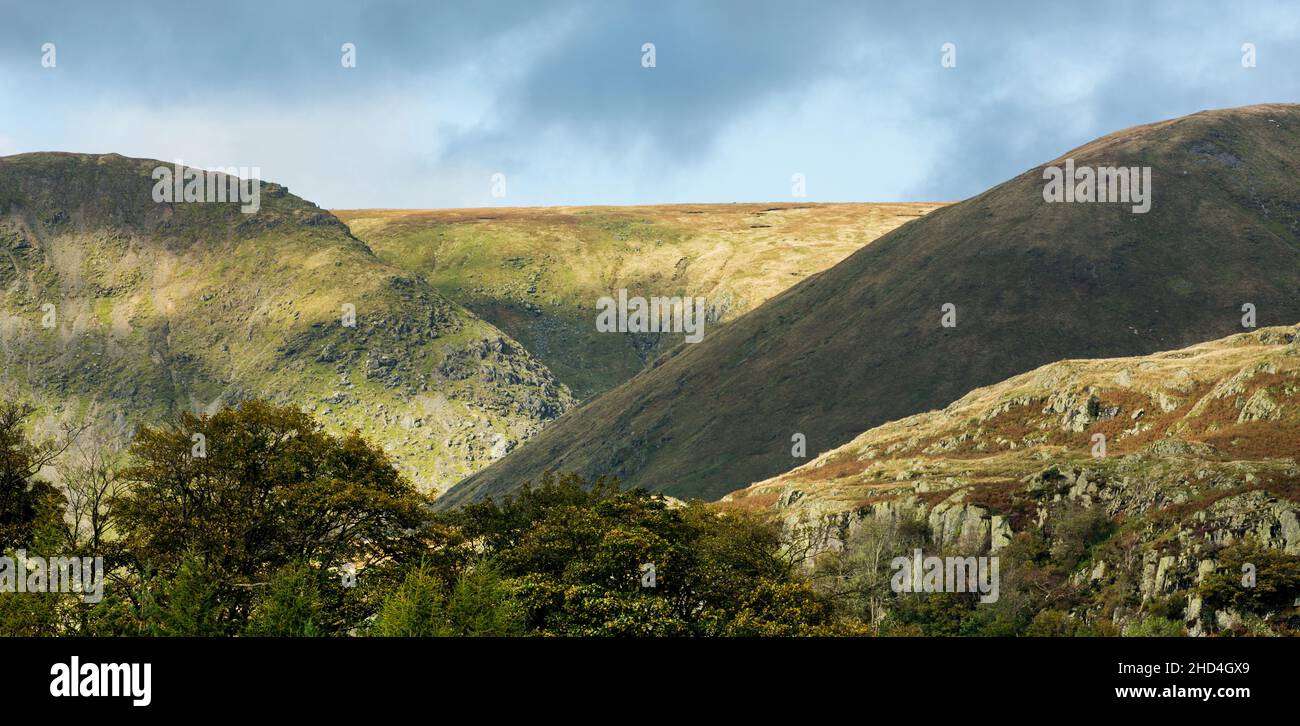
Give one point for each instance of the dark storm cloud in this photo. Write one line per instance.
(279, 48)
(556, 94)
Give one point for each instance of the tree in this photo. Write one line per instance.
(26, 502)
(250, 491)
(190, 603)
(1251, 578)
(1154, 626)
(291, 605)
(484, 604)
(415, 609)
(481, 603)
(857, 577)
(91, 484)
(1075, 531)
(596, 560)
(1052, 624)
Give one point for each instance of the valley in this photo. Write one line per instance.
(1029, 283)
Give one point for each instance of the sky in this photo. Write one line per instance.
(557, 97)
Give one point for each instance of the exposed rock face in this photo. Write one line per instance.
(1181, 481)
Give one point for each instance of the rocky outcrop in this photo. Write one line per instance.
(1197, 452)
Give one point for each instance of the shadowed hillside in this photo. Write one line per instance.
(1032, 283)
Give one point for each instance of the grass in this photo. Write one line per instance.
(860, 344)
(537, 273)
(164, 308)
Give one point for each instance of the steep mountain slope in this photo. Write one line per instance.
(159, 307)
(1032, 282)
(537, 273)
(1201, 450)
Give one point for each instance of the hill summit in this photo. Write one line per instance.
(124, 310)
(965, 296)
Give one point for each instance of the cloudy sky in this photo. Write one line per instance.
(554, 95)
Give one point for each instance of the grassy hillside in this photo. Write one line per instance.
(537, 273)
(165, 307)
(1201, 452)
(862, 343)
(1229, 401)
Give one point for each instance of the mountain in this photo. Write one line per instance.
(124, 310)
(1032, 282)
(1201, 449)
(537, 273)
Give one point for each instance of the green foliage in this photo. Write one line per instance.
(29, 506)
(483, 604)
(273, 491)
(1059, 624)
(1075, 532)
(1170, 607)
(1154, 626)
(578, 554)
(930, 614)
(777, 608)
(1037, 594)
(590, 610)
(1275, 585)
(1052, 624)
(292, 605)
(252, 540)
(416, 609)
(115, 615)
(190, 603)
(31, 513)
(30, 614)
(857, 577)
